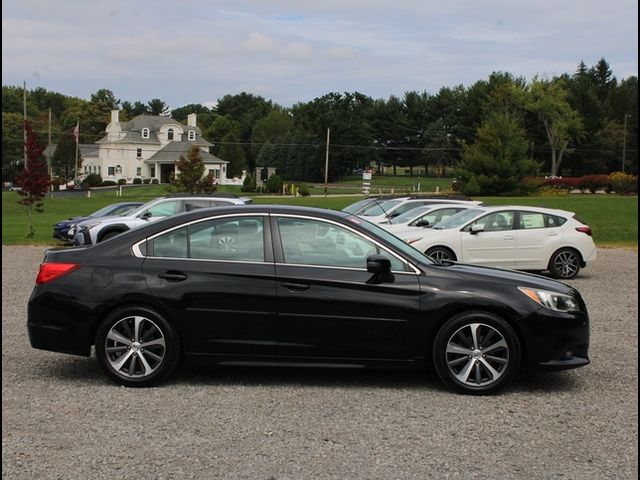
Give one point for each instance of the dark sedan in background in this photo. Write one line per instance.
(61, 229)
(247, 285)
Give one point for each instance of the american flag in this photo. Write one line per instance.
(76, 132)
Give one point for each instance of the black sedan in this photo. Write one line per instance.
(248, 285)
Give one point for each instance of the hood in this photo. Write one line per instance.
(500, 275)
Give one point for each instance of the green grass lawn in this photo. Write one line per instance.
(614, 219)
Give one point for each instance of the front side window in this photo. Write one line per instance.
(379, 208)
(494, 222)
(170, 134)
(314, 242)
(164, 209)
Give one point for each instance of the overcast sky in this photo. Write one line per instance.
(288, 51)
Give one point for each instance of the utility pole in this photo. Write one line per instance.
(326, 164)
(24, 122)
(77, 135)
(624, 140)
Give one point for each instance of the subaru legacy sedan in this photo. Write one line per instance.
(276, 285)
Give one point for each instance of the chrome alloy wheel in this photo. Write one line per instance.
(227, 244)
(135, 347)
(439, 254)
(477, 355)
(566, 264)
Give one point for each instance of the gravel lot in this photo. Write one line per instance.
(62, 418)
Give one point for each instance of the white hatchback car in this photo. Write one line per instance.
(383, 211)
(518, 237)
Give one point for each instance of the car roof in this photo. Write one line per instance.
(552, 211)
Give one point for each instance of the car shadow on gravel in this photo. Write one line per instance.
(86, 371)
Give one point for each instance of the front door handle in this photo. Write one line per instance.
(296, 287)
(508, 237)
(173, 276)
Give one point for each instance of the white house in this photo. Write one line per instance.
(148, 146)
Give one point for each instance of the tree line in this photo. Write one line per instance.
(503, 127)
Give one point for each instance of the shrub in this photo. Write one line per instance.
(249, 184)
(122, 181)
(593, 183)
(146, 181)
(274, 184)
(472, 187)
(623, 183)
(108, 183)
(567, 183)
(91, 180)
(155, 181)
(137, 181)
(303, 190)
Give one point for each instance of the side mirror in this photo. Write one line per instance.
(380, 267)
(422, 223)
(393, 215)
(475, 229)
(146, 215)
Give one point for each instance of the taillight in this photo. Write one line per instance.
(586, 230)
(50, 271)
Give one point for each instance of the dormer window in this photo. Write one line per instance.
(192, 135)
(170, 134)
(145, 133)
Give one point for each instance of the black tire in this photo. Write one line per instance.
(109, 235)
(462, 362)
(565, 263)
(141, 357)
(441, 253)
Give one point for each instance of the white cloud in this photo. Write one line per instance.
(292, 51)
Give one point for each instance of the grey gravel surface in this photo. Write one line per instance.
(62, 418)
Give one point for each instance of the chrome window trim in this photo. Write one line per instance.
(135, 248)
(335, 267)
(416, 271)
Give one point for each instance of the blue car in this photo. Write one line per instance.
(61, 229)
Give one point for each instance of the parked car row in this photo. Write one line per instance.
(515, 237)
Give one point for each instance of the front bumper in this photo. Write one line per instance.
(82, 237)
(555, 341)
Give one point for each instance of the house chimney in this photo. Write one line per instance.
(115, 116)
(191, 120)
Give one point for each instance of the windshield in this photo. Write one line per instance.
(409, 215)
(458, 219)
(400, 246)
(379, 208)
(354, 208)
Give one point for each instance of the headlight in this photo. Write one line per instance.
(89, 226)
(555, 301)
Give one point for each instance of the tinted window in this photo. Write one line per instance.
(313, 242)
(234, 238)
(379, 208)
(172, 244)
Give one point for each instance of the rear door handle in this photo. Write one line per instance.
(173, 276)
(553, 234)
(296, 287)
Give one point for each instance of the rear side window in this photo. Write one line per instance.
(530, 220)
(235, 238)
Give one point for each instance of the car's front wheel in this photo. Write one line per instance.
(137, 347)
(476, 352)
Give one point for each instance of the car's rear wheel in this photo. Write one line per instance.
(565, 263)
(440, 253)
(137, 347)
(476, 353)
